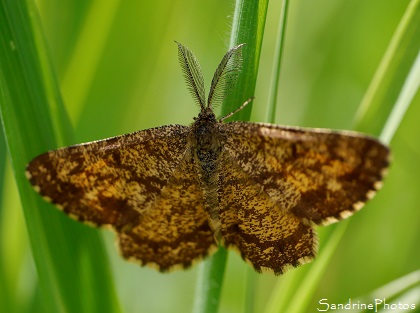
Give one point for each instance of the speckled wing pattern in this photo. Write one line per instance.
(174, 232)
(267, 237)
(283, 180)
(141, 185)
(274, 184)
(173, 193)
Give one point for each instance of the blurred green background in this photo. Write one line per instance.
(117, 66)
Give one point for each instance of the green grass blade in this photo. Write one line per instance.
(404, 289)
(18, 282)
(70, 259)
(408, 91)
(294, 294)
(2, 161)
(87, 54)
(248, 27)
(272, 103)
(209, 282)
(391, 75)
(5, 297)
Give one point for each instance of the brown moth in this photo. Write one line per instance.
(174, 193)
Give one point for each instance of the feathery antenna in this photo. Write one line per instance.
(192, 74)
(225, 76)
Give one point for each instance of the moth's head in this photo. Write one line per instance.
(206, 115)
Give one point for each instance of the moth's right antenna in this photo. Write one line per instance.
(225, 76)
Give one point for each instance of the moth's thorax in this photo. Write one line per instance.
(206, 139)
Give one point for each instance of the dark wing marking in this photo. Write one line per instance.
(268, 238)
(110, 181)
(174, 232)
(319, 175)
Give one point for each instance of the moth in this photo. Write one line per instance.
(174, 193)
